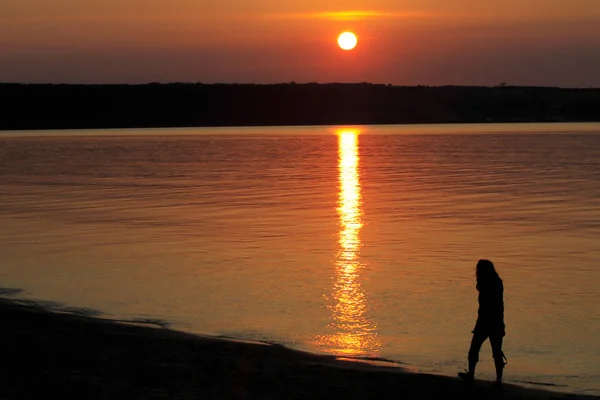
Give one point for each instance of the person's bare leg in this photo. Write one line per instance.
(496, 343)
(473, 358)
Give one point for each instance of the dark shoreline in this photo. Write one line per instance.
(68, 106)
(59, 355)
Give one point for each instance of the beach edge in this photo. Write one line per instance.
(65, 355)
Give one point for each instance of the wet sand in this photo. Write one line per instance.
(47, 354)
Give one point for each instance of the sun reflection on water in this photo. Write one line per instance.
(353, 332)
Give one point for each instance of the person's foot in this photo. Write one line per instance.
(466, 376)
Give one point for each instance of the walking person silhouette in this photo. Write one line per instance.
(490, 320)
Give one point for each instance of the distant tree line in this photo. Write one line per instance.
(61, 106)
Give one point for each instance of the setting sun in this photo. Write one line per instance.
(347, 41)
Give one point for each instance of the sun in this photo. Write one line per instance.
(347, 40)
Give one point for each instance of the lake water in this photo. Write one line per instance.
(356, 241)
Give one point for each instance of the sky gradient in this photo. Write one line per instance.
(403, 42)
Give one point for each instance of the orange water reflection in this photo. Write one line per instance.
(353, 333)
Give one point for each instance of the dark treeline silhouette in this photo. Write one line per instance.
(61, 106)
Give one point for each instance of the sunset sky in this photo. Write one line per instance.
(403, 42)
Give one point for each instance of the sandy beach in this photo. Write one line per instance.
(47, 354)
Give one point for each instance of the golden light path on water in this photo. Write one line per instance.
(353, 333)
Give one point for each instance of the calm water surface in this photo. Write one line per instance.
(360, 242)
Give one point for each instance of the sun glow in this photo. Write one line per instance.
(350, 15)
(347, 41)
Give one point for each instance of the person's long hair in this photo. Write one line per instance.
(485, 272)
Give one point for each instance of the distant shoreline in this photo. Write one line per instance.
(48, 354)
(69, 106)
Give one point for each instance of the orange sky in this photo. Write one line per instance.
(404, 42)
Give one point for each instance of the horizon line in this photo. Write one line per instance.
(291, 83)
